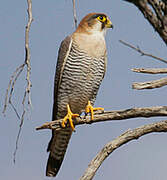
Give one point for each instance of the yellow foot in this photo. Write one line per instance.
(90, 109)
(69, 117)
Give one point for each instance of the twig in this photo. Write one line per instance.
(74, 14)
(150, 70)
(27, 64)
(12, 88)
(11, 84)
(15, 110)
(118, 142)
(18, 136)
(141, 52)
(18, 71)
(150, 84)
(111, 115)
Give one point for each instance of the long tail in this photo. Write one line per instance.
(57, 147)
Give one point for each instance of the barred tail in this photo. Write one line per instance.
(57, 147)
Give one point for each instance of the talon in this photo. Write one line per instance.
(90, 109)
(69, 117)
(85, 114)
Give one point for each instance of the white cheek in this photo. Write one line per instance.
(104, 31)
(99, 34)
(97, 31)
(96, 28)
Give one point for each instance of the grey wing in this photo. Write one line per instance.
(64, 50)
(54, 162)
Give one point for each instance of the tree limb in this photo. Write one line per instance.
(119, 141)
(150, 84)
(155, 15)
(150, 70)
(111, 115)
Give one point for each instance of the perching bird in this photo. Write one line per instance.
(80, 70)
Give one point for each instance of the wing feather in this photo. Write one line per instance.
(54, 164)
(63, 53)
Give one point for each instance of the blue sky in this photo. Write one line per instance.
(53, 20)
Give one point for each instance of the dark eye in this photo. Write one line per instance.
(101, 18)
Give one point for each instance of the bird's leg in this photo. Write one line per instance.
(69, 117)
(90, 109)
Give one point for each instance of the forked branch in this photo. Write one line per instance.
(118, 142)
(17, 73)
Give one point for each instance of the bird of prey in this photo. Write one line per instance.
(80, 69)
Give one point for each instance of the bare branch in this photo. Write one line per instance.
(27, 49)
(18, 136)
(74, 14)
(150, 70)
(150, 84)
(11, 85)
(141, 52)
(27, 64)
(118, 142)
(156, 15)
(111, 115)
(18, 71)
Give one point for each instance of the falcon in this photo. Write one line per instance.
(81, 66)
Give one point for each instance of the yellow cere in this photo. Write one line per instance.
(101, 18)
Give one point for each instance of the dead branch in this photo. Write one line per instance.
(28, 65)
(74, 14)
(111, 115)
(142, 52)
(150, 84)
(118, 142)
(10, 88)
(150, 70)
(17, 73)
(156, 14)
(27, 56)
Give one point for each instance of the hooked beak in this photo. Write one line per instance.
(109, 24)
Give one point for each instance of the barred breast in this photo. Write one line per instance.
(80, 81)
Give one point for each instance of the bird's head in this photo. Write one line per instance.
(94, 22)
